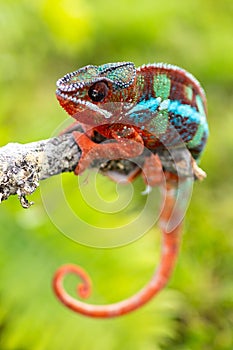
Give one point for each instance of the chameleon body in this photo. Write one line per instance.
(156, 106)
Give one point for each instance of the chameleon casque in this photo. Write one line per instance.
(155, 107)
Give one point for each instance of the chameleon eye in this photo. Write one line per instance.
(98, 91)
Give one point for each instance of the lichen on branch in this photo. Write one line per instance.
(22, 166)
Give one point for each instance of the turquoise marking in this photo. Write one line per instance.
(157, 123)
(164, 104)
(160, 122)
(156, 105)
(141, 113)
(185, 110)
(122, 74)
(200, 104)
(189, 92)
(196, 140)
(84, 75)
(162, 86)
(193, 117)
(151, 104)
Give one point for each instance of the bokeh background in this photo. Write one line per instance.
(42, 40)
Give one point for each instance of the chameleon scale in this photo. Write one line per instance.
(156, 106)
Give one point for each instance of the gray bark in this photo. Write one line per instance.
(22, 166)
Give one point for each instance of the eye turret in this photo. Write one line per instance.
(98, 91)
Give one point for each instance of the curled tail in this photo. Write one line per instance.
(170, 248)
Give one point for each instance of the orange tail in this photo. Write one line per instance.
(170, 248)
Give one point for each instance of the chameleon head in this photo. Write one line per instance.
(91, 93)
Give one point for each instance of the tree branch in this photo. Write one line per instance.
(22, 166)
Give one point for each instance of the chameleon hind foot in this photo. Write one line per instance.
(152, 173)
(199, 174)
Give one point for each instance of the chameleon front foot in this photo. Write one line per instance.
(121, 149)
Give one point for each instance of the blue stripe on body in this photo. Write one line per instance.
(144, 110)
(186, 111)
(153, 115)
(152, 104)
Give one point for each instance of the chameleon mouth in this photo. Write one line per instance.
(81, 105)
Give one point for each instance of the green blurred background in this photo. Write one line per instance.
(42, 40)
